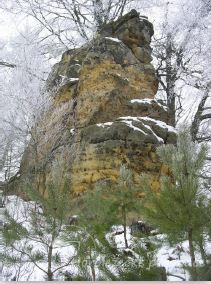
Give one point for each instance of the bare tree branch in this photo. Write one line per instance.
(199, 117)
(7, 64)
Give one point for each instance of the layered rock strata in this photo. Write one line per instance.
(103, 112)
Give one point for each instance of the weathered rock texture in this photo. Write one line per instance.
(116, 120)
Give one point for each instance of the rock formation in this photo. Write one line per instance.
(103, 112)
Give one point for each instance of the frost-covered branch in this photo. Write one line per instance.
(7, 64)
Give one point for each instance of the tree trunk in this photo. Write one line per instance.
(50, 274)
(93, 271)
(202, 251)
(170, 82)
(192, 254)
(92, 266)
(125, 226)
(198, 115)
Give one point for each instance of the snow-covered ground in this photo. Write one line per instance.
(172, 258)
(26, 271)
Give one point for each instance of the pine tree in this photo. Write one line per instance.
(117, 201)
(36, 239)
(107, 206)
(179, 209)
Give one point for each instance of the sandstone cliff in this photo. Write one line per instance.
(103, 112)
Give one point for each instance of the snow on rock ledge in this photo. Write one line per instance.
(113, 39)
(148, 102)
(106, 124)
(161, 131)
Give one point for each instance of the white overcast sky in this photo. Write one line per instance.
(11, 25)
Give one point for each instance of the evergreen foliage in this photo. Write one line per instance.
(112, 203)
(103, 216)
(179, 209)
(35, 239)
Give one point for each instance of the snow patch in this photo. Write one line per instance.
(130, 124)
(148, 102)
(172, 258)
(160, 123)
(129, 121)
(142, 101)
(158, 138)
(20, 210)
(73, 79)
(72, 131)
(74, 216)
(129, 118)
(65, 80)
(113, 39)
(103, 125)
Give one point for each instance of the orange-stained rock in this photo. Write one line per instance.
(116, 120)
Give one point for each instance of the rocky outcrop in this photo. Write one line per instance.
(103, 112)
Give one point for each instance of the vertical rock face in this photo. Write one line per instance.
(103, 113)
